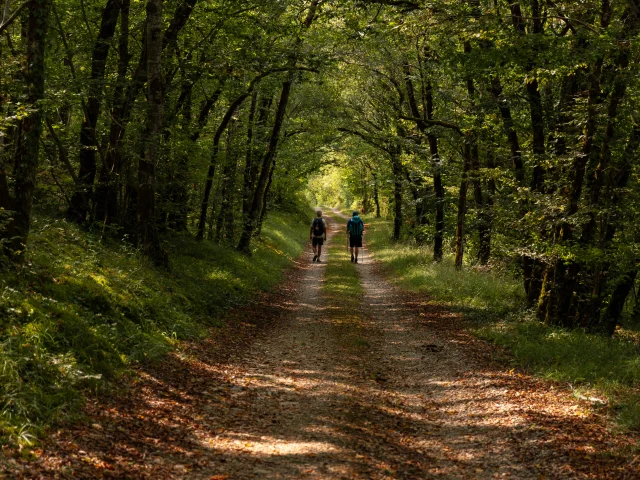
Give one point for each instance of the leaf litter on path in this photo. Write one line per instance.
(284, 392)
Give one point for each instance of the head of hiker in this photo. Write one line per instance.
(318, 213)
(355, 213)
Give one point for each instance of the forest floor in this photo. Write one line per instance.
(304, 385)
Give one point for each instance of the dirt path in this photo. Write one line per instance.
(296, 391)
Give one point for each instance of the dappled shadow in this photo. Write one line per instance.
(298, 388)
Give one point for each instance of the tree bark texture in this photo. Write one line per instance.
(396, 167)
(462, 206)
(256, 204)
(30, 130)
(81, 199)
(147, 232)
(107, 204)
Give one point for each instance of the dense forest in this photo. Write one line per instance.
(507, 125)
(496, 132)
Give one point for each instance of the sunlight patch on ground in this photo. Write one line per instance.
(267, 445)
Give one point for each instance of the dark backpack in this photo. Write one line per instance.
(318, 227)
(356, 227)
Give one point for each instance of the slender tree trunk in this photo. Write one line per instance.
(462, 206)
(509, 127)
(484, 236)
(438, 238)
(613, 312)
(247, 180)
(123, 108)
(147, 231)
(227, 190)
(107, 204)
(177, 189)
(80, 201)
(265, 199)
(30, 130)
(376, 197)
(214, 162)
(396, 167)
(256, 204)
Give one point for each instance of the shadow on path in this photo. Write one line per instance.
(299, 387)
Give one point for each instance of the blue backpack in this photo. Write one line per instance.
(356, 227)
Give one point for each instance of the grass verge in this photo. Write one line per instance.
(81, 312)
(493, 302)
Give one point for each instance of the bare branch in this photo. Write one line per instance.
(5, 23)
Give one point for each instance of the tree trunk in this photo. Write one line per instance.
(107, 204)
(224, 222)
(256, 204)
(462, 206)
(214, 161)
(376, 197)
(265, 199)
(123, 108)
(251, 166)
(613, 312)
(484, 236)
(396, 167)
(438, 238)
(80, 201)
(509, 127)
(30, 130)
(147, 232)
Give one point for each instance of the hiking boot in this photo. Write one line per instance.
(352, 258)
(355, 261)
(318, 260)
(315, 257)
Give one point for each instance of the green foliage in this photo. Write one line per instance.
(80, 312)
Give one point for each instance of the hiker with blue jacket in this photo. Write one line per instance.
(318, 235)
(355, 229)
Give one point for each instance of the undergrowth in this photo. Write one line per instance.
(81, 311)
(493, 302)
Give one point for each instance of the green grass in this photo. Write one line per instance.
(478, 293)
(81, 312)
(343, 293)
(493, 303)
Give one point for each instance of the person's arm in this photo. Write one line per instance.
(325, 229)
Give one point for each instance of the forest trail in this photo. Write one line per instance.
(307, 389)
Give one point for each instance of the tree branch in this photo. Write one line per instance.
(5, 23)
(431, 123)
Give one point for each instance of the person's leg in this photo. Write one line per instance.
(357, 250)
(352, 257)
(319, 251)
(315, 250)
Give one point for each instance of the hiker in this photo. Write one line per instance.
(317, 235)
(355, 229)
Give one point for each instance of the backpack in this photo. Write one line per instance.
(356, 226)
(318, 227)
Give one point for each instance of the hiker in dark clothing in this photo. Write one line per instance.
(317, 235)
(355, 229)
